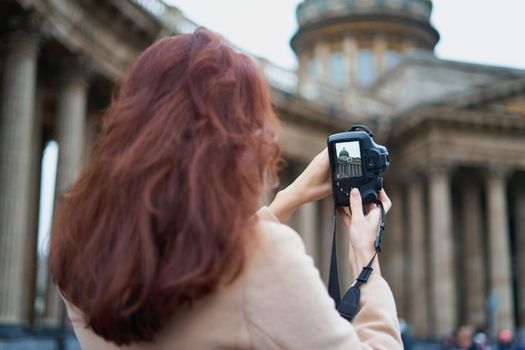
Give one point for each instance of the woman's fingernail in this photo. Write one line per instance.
(355, 192)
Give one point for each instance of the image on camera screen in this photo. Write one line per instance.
(348, 156)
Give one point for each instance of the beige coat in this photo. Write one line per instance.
(278, 302)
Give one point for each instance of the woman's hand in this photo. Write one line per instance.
(313, 184)
(363, 229)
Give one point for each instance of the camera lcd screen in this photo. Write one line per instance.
(348, 160)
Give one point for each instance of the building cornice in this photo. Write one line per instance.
(363, 25)
(423, 118)
(492, 93)
(295, 109)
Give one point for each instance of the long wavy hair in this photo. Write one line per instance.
(161, 212)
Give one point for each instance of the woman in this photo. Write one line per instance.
(156, 246)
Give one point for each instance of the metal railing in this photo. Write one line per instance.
(313, 10)
(278, 77)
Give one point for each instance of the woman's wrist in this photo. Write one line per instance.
(285, 203)
(363, 257)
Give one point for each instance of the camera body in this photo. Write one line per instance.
(356, 161)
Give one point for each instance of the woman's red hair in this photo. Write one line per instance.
(160, 214)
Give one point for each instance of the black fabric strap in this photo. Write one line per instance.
(349, 305)
(333, 280)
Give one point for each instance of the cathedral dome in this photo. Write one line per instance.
(348, 44)
(344, 153)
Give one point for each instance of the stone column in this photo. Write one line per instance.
(327, 211)
(472, 254)
(71, 120)
(308, 223)
(500, 278)
(350, 52)
(16, 156)
(394, 248)
(71, 127)
(321, 53)
(380, 48)
(302, 69)
(417, 267)
(519, 215)
(443, 291)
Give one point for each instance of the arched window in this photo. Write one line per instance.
(391, 58)
(313, 67)
(365, 67)
(336, 69)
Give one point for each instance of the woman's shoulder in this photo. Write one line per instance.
(271, 229)
(275, 237)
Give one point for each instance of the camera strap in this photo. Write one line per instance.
(348, 306)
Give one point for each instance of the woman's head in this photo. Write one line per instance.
(160, 213)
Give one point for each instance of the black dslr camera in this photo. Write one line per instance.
(356, 161)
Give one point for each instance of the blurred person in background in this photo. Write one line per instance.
(505, 340)
(463, 338)
(520, 343)
(480, 341)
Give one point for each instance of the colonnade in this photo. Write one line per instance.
(20, 153)
(448, 273)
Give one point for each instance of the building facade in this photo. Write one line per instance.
(347, 166)
(455, 237)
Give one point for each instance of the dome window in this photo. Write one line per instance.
(336, 69)
(365, 67)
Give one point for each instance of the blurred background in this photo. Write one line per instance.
(442, 84)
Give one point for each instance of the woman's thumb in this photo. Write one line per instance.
(356, 206)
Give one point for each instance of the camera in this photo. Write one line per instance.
(356, 161)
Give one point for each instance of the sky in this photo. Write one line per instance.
(479, 31)
(351, 147)
(47, 184)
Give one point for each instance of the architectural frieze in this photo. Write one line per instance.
(76, 29)
(488, 120)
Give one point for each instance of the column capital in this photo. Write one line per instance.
(77, 69)
(407, 174)
(23, 34)
(393, 180)
(23, 43)
(349, 44)
(496, 171)
(438, 168)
